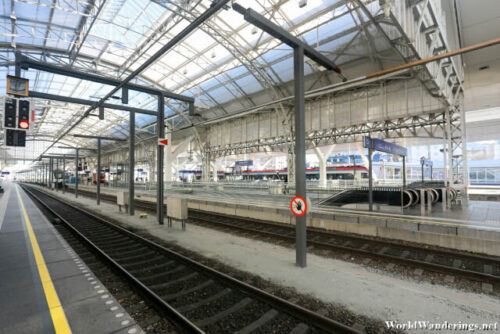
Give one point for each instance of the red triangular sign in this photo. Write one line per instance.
(163, 141)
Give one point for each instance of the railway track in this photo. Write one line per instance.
(475, 267)
(194, 297)
(485, 269)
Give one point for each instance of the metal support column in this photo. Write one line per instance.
(51, 173)
(57, 173)
(131, 163)
(370, 178)
(422, 171)
(159, 157)
(76, 171)
(404, 171)
(98, 172)
(300, 155)
(64, 174)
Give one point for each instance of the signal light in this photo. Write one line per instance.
(23, 121)
(24, 124)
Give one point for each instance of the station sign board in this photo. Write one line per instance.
(384, 146)
(426, 163)
(242, 163)
(17, 86)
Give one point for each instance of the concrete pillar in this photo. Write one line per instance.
(215, 169)
(205, 173)
(322, 158)
(168, 156)
(290, 163)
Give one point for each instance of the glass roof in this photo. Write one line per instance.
(216, 64)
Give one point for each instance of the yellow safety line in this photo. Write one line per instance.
(56, 310)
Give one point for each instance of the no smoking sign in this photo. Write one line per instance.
(298, 206)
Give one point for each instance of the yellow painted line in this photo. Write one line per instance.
(56, 310)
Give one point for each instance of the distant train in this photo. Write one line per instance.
(102, 178)
(332, 173)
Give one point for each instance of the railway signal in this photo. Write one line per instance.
(15, 138)
(10, 113)
(23, 119)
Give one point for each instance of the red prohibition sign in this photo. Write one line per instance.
(298, 206)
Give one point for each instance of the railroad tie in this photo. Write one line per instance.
(205, 301)
(159, 275)
(300, 329)
(264, 319)
(383, 250)
(236, 307)
(187, 291)
(175, 281)
(365, 246)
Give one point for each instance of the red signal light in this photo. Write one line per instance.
(24, 124)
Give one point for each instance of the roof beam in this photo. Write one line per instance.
(74, 100)
(25, 63)
(99, 137)
(274, 30)
(86, 23)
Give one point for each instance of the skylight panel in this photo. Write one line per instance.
(5, 8)
(199, 40)
(249, 84)
(66, 19)
(297, 14)
(228, 18)
(30, 11)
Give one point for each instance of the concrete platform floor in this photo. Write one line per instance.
(361, 289)
(44, 286)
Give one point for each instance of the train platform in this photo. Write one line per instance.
(368, 291)
(44, 286)
(471, 226)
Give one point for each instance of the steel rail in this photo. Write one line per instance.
(145, 205)
(177, 318)
(304, 314)
(418, 263)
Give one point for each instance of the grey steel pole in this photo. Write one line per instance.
(159, 163)
(98, 174)
(370, 178)
(57, 172)
(422, 172)
(131, 163)
(404, 171)
(76, 172)
(300, 156)
(64, 174)
(354, 166)
(51, 173)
